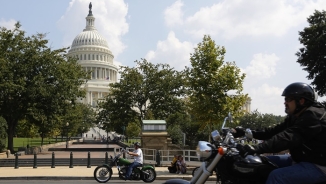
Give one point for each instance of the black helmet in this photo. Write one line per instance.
(137, 144)
(299, 89)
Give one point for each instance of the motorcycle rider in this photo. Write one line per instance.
(138, 159)
(303, 133)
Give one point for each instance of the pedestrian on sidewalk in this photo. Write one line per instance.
(173, 167)
(181, 165)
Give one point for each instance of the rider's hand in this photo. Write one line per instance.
(238, 132)
(247, 149)
(251, 149)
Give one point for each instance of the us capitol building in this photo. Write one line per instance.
(93, 54)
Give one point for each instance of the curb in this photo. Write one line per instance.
(86, 178)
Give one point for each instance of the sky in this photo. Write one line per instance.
(260, 36)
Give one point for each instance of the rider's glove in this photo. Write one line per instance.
(247, 149)
(251, 150)
(238, 132)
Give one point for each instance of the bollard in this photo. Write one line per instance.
(158, 158)
(35, 161)
(106, 158)
(71, 161)
(16, 161)
(53, 164)
(89, 160)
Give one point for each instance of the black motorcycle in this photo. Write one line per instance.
(226, 157)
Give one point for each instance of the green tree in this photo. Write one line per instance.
(177, 125)
(35, 81)
(210, 82)
(3, 133)
(26, 129)
(145, 91)
(257, 120)
(133, 130)
(312, 56)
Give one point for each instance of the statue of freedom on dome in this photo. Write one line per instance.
(90, 6)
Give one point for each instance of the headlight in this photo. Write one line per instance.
(203, 150)
(215, 135)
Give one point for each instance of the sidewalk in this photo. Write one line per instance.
(75, 173)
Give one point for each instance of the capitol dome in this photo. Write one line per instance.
(93, 54)
(89, 37)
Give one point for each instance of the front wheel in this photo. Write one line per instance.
(102, 173)
(194, 171)
(149, 175)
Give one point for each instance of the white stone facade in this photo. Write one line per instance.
(94, 55)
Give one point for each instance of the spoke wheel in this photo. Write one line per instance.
(102, 174)
(149, 175)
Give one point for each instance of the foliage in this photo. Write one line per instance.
(312, 56)
(146, 91)
(26, 129)
(3, 133)
(81, 117)
(176, 134)
(177, 124)
(36, 83)
(257, 120)
(210, 82)
(133, 130)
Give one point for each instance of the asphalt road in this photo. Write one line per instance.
(79, 182)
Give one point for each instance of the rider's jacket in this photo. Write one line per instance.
(304, 135)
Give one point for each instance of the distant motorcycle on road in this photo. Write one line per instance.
(103, 173)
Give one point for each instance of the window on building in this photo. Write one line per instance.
(154, 127)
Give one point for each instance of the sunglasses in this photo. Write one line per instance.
(288, 99)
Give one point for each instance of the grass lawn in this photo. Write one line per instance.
(23, 142)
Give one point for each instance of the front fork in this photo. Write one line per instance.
(205, 170)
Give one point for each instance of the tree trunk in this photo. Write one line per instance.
(10, 131)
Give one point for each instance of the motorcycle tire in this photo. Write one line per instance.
(122, 173)
(102, 173)
(194, 171)
(149, 175)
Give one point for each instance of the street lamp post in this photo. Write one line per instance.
(67, 124)
(123, 133)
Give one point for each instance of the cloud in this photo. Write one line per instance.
(173, 15)
(230, 19)
(262, 66)
(8, 24)
(110, 21)
(267, 99)
(171, 51)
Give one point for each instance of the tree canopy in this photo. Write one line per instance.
(146, 91)
(312, 56)
(210, 81)
(257, 120)
(36, 82)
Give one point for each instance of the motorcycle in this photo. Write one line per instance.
(103, 173)
(226, 156)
